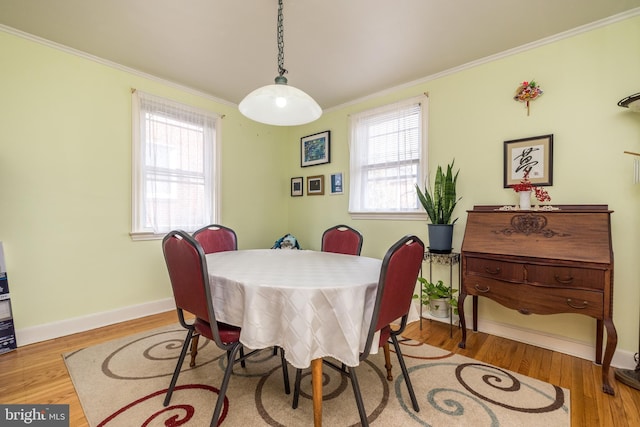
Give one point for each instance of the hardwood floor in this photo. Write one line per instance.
(36, 373)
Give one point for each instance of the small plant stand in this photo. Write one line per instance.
(452, 259)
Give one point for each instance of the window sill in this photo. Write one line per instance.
(141, 235)
(398, 216)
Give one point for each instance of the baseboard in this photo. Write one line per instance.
(85, 323)
(621, 358)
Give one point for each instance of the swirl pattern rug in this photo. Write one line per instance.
(123, 383)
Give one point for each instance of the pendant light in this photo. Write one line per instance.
(280, 104)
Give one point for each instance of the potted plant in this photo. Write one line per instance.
(439, 205)
(524, 189)
(438, 297)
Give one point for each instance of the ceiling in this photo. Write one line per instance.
(335, 50)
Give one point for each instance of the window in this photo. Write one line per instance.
(174, 167)
(388, 158)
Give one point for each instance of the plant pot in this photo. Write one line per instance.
(440, 238)
(439, 307)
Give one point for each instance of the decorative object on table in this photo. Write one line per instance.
(439, 205)
(280, 104)
(527, 92)
(297, 186)
(288, 241)
(337, 186)
(315, 149)
(315, 185)
(628, 376)
(438, 297)
(532, 155)
(525, 188)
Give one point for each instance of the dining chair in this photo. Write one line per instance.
(189, 278)
(216, 238)
(213, 238)
(398, 276)
(342, 239)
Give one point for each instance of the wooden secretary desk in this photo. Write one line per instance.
(542, 262)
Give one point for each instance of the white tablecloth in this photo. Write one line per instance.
(312, 304)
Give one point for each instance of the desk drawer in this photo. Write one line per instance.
(495, 269)
(566, 277)
(530, 299)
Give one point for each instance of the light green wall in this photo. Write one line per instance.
(65, 162)
(65, 179)
(471, 114)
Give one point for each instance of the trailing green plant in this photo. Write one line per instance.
(440, 203)
(432, 291)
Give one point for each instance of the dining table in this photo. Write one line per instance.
(312, 304)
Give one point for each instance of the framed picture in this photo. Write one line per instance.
(336, 183)
(315, 185)
(296, 186)
(533, 155)
(315, 149)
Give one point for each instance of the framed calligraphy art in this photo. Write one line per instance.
(533, 155)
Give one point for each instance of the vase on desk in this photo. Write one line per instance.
(525, 199)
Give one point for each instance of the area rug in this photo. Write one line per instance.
(123, 383)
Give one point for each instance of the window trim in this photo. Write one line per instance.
(408, 215)
(137, 180)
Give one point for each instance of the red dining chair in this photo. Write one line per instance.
(342, 239)
(213, 238)
(189, 277)
(398, 277)
(216, 238)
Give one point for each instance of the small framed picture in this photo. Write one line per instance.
(533, 155)
(315, 149)
(296, 186)
(315, 185)
(336, 183)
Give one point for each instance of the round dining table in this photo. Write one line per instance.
(312, 304)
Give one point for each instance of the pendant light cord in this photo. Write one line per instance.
(281, 69)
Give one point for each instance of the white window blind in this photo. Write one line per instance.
(388, 157)
(174, 166)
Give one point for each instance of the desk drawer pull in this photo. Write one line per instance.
(495, 271)
(484, 291)
(571, 304)
(564, 281)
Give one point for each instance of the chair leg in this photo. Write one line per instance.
(407, 380)
(285, 372)
(176, 372)
(194, 350)
(358, 396)
(296, 389)
(225, 383)
(387, 361)
(242, 362)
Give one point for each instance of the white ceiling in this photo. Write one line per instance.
(335, 50)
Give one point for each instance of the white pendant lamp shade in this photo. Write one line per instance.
(280, 104)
